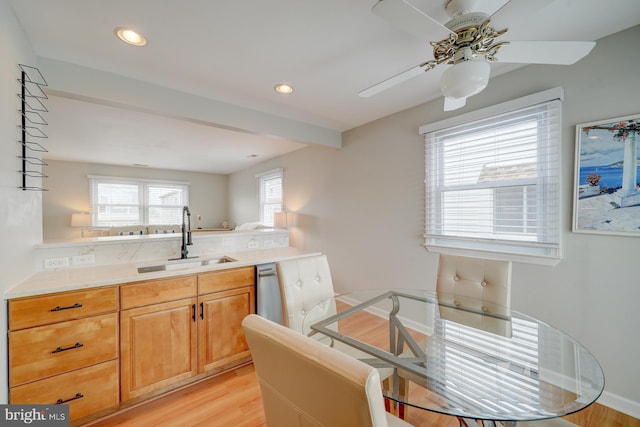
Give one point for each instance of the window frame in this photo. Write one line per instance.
(144, 204)
(549, 249)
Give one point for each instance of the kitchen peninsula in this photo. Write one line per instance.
(107, 336)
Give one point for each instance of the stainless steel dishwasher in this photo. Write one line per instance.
(268, 300)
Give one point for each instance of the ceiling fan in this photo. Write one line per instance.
(468, 42)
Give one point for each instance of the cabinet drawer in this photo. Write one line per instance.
(86, 391)
(225, 279)
(36, 311)
(44, 351)
(158, 291)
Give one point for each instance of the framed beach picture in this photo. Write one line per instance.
(607, 178)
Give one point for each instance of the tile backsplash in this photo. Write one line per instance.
(126, 249)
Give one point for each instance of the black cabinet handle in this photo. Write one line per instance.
(77, 396)
(193, 312)
(61, 349)
(202, 310)
(58, 308)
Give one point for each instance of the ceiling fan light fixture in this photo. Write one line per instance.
(465, 79)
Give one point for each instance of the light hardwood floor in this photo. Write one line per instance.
(233, 400)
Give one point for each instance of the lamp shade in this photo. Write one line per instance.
(465, 78)
(285, 219)
(281, 220)
(80, 220)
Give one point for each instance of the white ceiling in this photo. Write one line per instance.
(236, 51)
(111, 135)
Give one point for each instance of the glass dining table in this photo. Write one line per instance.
(460, 356)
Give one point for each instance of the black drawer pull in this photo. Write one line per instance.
(193, 312)
(202, 310)
(58, 308)
(77, 396)
(60, 349)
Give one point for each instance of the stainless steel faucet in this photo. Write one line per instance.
(186, 234)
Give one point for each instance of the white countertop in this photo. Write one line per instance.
(69, 279)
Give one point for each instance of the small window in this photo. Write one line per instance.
(492, 184)
(270, 184)
(122, 201)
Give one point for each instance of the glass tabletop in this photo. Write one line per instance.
(459, 356)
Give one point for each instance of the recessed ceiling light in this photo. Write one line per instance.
(131, 37)
(283, 89)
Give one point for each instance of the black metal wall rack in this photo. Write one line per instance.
(31, 109)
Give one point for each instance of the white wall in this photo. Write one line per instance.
(20, 211)
(69, 193)
(363, 206)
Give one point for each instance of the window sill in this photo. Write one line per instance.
(477, 253)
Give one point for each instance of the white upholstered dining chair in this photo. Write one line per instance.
(304, 283)
(485, 282)
(306, 383)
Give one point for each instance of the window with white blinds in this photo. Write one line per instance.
(270, 196)
(492, 184)
(122, 201)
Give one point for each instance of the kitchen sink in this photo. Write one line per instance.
(182, 264)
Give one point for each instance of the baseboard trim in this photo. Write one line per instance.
(620, 404)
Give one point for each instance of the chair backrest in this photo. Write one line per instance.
(305, 383)
(304, 283)
(486, 280)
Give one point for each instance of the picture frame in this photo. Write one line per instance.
(607, 178)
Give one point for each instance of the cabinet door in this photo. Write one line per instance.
(158, 346)
(221, 339)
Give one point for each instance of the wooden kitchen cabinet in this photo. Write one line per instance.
(43, 351)
(53, 308)
(87, 391)
(103, 349)
(158, 336)
(225, 298)
(64, 348)
(223, 280)
(221, 339)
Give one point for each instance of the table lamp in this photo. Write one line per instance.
(81, 220)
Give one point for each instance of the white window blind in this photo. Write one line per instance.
(492, 184)
(270, 196)
(491, 357)
(122, 201)
(165, 202)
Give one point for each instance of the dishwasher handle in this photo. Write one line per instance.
(267, 274)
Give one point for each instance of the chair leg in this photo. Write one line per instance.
(391, 406)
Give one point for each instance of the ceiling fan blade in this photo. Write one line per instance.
(392, 81)
(405, 16)
(514, 10)
(451, 104)
(544, 52)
